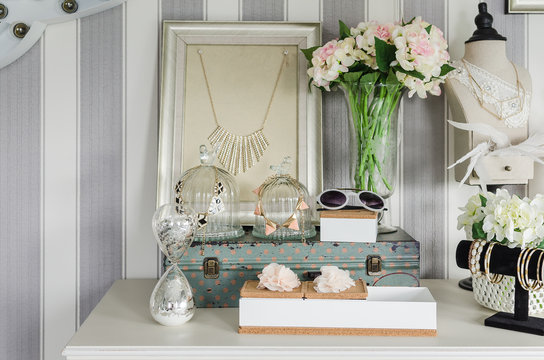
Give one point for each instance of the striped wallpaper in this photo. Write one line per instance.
(78, 140)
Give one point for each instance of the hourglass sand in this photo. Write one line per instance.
(172, 302)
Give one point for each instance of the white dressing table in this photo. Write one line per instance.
(120, 327)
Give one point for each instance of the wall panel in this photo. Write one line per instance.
(336, 170)
(262, 10)
(100, 136)
(181, 9)
(424, 195)
(142, 24)
(20, 162)
(60, 186)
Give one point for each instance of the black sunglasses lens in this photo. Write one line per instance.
(333, 198)
(371, 200)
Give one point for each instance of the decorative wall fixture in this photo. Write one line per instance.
(525, 6)
(22, 22)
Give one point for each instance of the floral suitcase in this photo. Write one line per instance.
(217, 276)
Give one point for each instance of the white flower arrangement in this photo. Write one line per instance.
(507, 219)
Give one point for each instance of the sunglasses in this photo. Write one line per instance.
(335, 199)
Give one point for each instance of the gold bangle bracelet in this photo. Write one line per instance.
(496, 278)
(534, 285)
(523, 270)
(539, 275)
(519, 274)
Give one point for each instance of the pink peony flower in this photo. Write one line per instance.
(277, 277)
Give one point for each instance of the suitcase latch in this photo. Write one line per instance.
(373, 265)
(211, 268)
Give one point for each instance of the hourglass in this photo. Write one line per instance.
(172, 301)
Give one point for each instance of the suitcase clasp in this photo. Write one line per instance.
(211, 268)
(373, 265)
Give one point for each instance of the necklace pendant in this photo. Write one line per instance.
(238, 153)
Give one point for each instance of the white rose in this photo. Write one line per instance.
(277, 277)
(332, 279)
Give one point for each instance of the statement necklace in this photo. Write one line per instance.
(511, 106)
(238, 153)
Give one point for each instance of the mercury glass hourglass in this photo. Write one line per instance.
(172, 301)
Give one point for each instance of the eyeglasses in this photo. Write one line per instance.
(335, 199)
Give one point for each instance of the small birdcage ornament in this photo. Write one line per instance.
(284, 207)
(214, 194)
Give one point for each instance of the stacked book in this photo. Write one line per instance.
(354, 225)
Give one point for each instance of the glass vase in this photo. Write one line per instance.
(373, 115)
(374, 136)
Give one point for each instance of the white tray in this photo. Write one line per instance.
(385, 308)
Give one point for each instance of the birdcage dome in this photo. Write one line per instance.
(213, 193)
(284, 209)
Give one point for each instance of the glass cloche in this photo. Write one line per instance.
(213, 193)
(284, 208)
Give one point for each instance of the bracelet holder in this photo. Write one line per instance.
(504, 261)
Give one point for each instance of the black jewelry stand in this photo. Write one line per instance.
(504, 261)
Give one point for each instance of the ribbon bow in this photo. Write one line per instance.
(497, 144)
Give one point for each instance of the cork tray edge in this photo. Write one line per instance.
(266, 330)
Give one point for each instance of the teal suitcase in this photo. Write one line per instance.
(217, 276)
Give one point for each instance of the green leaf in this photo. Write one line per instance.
(483, 200)
(541, 246)
(352, 76)
(413, 73)
(368, 81)
(428, 29)
(409, 22)
(392, 78)
(446, 68)
(385, 54)
(308, 52)
(344, 30)
(478, 231)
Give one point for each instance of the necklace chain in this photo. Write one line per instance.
(238, 153)
(519, 88)
(282, 66)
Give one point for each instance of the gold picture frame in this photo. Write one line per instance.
(242, 59)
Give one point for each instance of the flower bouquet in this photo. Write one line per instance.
(511, 221)
(373, 63)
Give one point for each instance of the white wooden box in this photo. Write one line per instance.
(385, 308)
(349, 226)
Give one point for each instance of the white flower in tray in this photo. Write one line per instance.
(507, 219)
(277, 277)
(333, 280)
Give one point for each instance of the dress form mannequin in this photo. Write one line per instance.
(487, 51)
